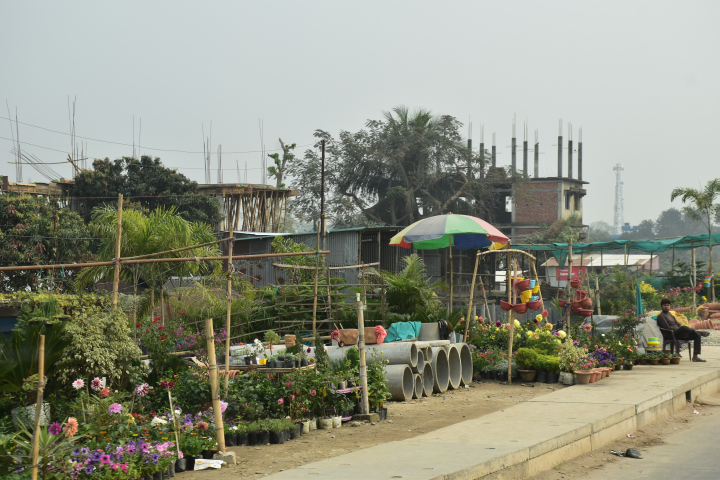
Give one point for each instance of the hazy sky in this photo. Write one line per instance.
(640, 77)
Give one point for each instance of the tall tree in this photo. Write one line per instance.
(36, 231)
(150, 184)
(278, 170)
(701, 206)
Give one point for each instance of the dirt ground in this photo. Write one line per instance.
(644, 439)
(405, 420)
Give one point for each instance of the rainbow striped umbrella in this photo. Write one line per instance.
(441, 231)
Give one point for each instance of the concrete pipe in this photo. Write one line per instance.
(398, 353)
(432, 343)
(455, 369)
(417, 393)
(400, 382)
(427, 379)
(429, 331)
(466, 363)
(420, 363)
(441, 374)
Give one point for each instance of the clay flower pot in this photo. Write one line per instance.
(575, 283)
(562, 302)
(586, 312)
(665, 361)
(653, 361)
(527, 375)
(522, 285)
(576, 311)
(586, 302)
(675, 361)
(520, 307)
(583, 377)
(534, 304)
(505, 305)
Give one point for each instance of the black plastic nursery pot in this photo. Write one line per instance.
(277, 438)
(207, 454)
(541, 377)
(551, 377)
(263, 438)
(242, 439)
(230, 439)
(295, 432)
(181, 465)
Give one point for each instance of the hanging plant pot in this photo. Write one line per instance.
(535, 304)
(520, 307)
(562, 302)
(505, 305)
(522, 285)
(575, 283)
(586, 312)
(585, 302)
(576, 310)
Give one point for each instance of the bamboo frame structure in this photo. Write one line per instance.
(214, 386)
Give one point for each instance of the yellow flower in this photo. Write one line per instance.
(562, 334)
(517, 323)
(548, 326)
(704, 299)
(539, 317)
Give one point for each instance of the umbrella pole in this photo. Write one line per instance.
(450, 308)
(472, 292)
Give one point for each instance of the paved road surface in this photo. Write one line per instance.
(689, 454)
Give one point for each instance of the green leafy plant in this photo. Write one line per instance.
(525, 358)
(378, 389)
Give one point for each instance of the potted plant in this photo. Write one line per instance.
(192, 446)
(230, 432)
(675, 358)
(641, 359)
(271, 338)
(540, 366)
(253, 429)
(665, 358)
(653, 358)
(569, 356)
(525, 359)
(277, 431)
(553, 367)
(242, 433)
(584, 371)
(378, 390)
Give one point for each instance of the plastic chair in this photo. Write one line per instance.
(676, 345)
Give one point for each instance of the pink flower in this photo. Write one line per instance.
(287, 384)
(78, 384)
(203, 426)
(292, 397)
(124, 466)
(313, 393)
(96, 384)
(71, 427)
(115, 408)
(281, 401)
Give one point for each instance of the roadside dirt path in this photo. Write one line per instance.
(405, 420)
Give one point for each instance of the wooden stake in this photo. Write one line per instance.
(214, 385)
(693, 280)
(597, 295)
(229, 308)
(175, 424)
(569, 277)
(450, 310)
(118, 243)
(38, 408)
(364, 405)
(472, 293)
(314, 317)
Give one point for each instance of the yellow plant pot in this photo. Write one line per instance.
(525, 295)
(536, 289)
(262, 361)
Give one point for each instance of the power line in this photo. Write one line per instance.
(128, 144)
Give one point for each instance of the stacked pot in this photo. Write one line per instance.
(581, 304)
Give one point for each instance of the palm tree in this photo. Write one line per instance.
(702, 207)
(159, 231)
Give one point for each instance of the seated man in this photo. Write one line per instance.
(668, 322)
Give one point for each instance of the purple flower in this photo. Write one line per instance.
(115, 408)
(95, 457)
(84, 451)
(131, 449)
(90, 469)
(55, 429)
(155, 458)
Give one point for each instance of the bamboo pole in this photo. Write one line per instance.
(569, 277)
(597, 296)
(329, 294)
(450, 310)
(364, 404)
(231, 242)
(472, 294)
(118, 244)
(511, 324)
(214, 385)
(693, 280)
(38, 408)
(177, 250)
(175, 423)
(155, 260)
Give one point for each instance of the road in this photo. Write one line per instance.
(690, 453)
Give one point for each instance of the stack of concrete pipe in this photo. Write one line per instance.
(419, 368)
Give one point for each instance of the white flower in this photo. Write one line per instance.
(234, 427)
(78, 384)
(158, 421)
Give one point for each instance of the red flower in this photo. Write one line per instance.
(147, 330)
(544, 313)
(104, 392)
(137, 325)
(162, 338)
(161, 327)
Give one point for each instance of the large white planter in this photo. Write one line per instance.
(567, 378)
(26, 415)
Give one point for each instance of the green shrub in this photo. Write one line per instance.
(540, 363)
(552, 364)
(525, 358)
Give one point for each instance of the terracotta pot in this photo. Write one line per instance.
(562, 302)
(593, 376)
(665, 361)
(715, 316)
(653, 361)
(535, 304)
(583, 378)
(695, 323)
(527, 375)
(520, 307)
(711, 306)
(576, 311)
(585, 312)
(608, 371)
(675, 360)
(586, 302)
(575, 283)
(642, 361)
(505, 305)
(522, 285)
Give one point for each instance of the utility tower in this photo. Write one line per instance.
(618, 223)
